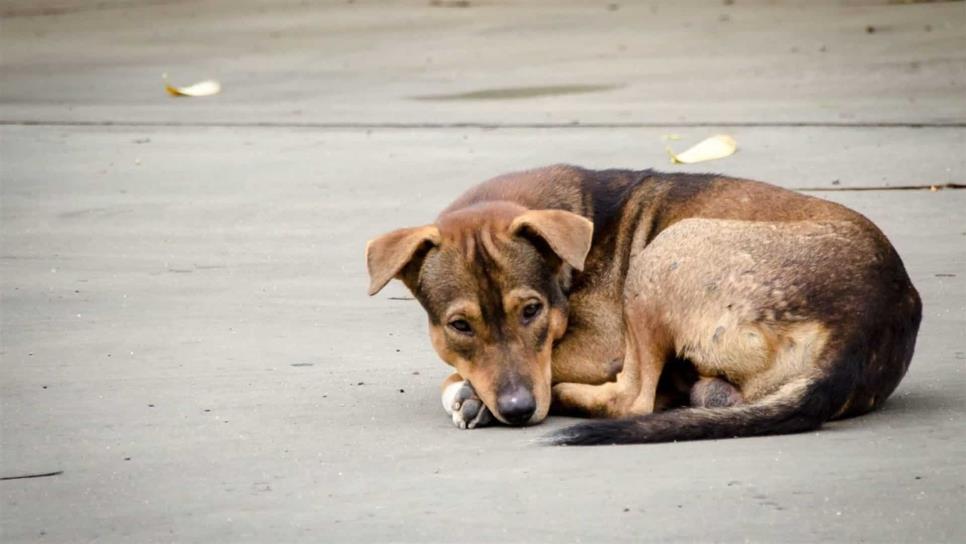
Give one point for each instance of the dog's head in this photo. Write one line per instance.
(493, 278)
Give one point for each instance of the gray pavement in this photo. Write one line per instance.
(184, 331)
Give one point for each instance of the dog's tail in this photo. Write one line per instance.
(800, 405)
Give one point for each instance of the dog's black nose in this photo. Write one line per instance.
(516, 404)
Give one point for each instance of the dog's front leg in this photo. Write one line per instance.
(635, 391)
(463, 405)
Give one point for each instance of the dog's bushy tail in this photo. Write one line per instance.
(799, 406)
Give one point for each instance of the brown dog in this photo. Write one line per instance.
(617, 293)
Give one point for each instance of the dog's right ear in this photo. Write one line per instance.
(568, 234)
(387, 255)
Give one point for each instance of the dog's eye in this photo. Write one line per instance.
(531, 310)
(461, 325)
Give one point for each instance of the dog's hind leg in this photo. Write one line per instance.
(581, 399)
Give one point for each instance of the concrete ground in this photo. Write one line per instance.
(186, 340)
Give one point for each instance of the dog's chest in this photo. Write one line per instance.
(592, 350)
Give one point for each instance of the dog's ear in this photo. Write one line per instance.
(568, 234)
(387, 255)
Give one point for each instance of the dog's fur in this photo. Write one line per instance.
(770, 310)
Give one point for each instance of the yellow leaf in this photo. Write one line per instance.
(715, 147)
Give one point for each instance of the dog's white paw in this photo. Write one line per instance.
(467, 410)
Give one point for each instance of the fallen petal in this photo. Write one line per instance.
(715, 147)
(202, 88)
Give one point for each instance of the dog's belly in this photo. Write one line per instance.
(752, 301)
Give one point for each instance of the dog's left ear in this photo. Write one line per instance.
(387, 255)
(568, 234)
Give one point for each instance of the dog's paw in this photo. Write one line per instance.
(466, 409)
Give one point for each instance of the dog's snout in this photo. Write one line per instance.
(516, 404)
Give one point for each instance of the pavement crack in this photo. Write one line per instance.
(26, 476)
(934, 187)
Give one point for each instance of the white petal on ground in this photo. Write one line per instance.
(715, 147)
(202, 88)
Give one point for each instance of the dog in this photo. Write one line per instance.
(673, 306)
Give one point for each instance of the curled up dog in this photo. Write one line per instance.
(668, 306)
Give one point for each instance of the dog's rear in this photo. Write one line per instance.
(837, 288)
